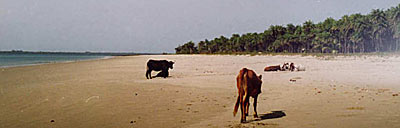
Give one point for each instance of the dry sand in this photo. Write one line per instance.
(201, 92)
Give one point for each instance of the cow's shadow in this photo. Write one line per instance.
(272, 115)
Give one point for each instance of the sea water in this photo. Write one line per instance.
(23, 59)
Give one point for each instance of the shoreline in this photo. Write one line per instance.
(324, 56)
(57, 62)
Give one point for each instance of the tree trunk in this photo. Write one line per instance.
(363, 46)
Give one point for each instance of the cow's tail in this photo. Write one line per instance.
(236, 106)
(240, 81)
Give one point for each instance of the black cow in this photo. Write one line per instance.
(159, 65)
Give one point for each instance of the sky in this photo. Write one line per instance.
(154, 26)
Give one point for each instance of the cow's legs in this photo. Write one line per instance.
(255, 107)
(148, 74)
(166, 73)
(242, 109)
(246, 100)
(247, 108)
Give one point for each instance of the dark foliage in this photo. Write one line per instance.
(378, 31)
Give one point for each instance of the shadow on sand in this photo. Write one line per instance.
(272, 115)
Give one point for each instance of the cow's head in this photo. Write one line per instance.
(171, 64)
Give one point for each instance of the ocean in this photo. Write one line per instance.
(23, 59)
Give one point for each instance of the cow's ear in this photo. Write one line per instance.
(260, 77)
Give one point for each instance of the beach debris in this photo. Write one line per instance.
(395, 94)
(292, 80)
(355, 108)
(136, 94)
(208, 72)
(88, 99)
(364, 89)
(383, 90)
(132, 122)
(264, 124)
(319, 92)
(52, 121)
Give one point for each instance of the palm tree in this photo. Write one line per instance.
(375, 32)
(308, 27)
(380, 25)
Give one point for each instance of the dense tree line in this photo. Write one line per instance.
(378, 31)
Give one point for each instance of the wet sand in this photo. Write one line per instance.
(201, 92)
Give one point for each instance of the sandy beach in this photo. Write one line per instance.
(351, 91)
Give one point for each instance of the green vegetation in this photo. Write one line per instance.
(378, 31)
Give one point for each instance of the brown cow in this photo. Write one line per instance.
(248, 84)
(273, 68)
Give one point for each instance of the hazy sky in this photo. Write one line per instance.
(153, 25)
